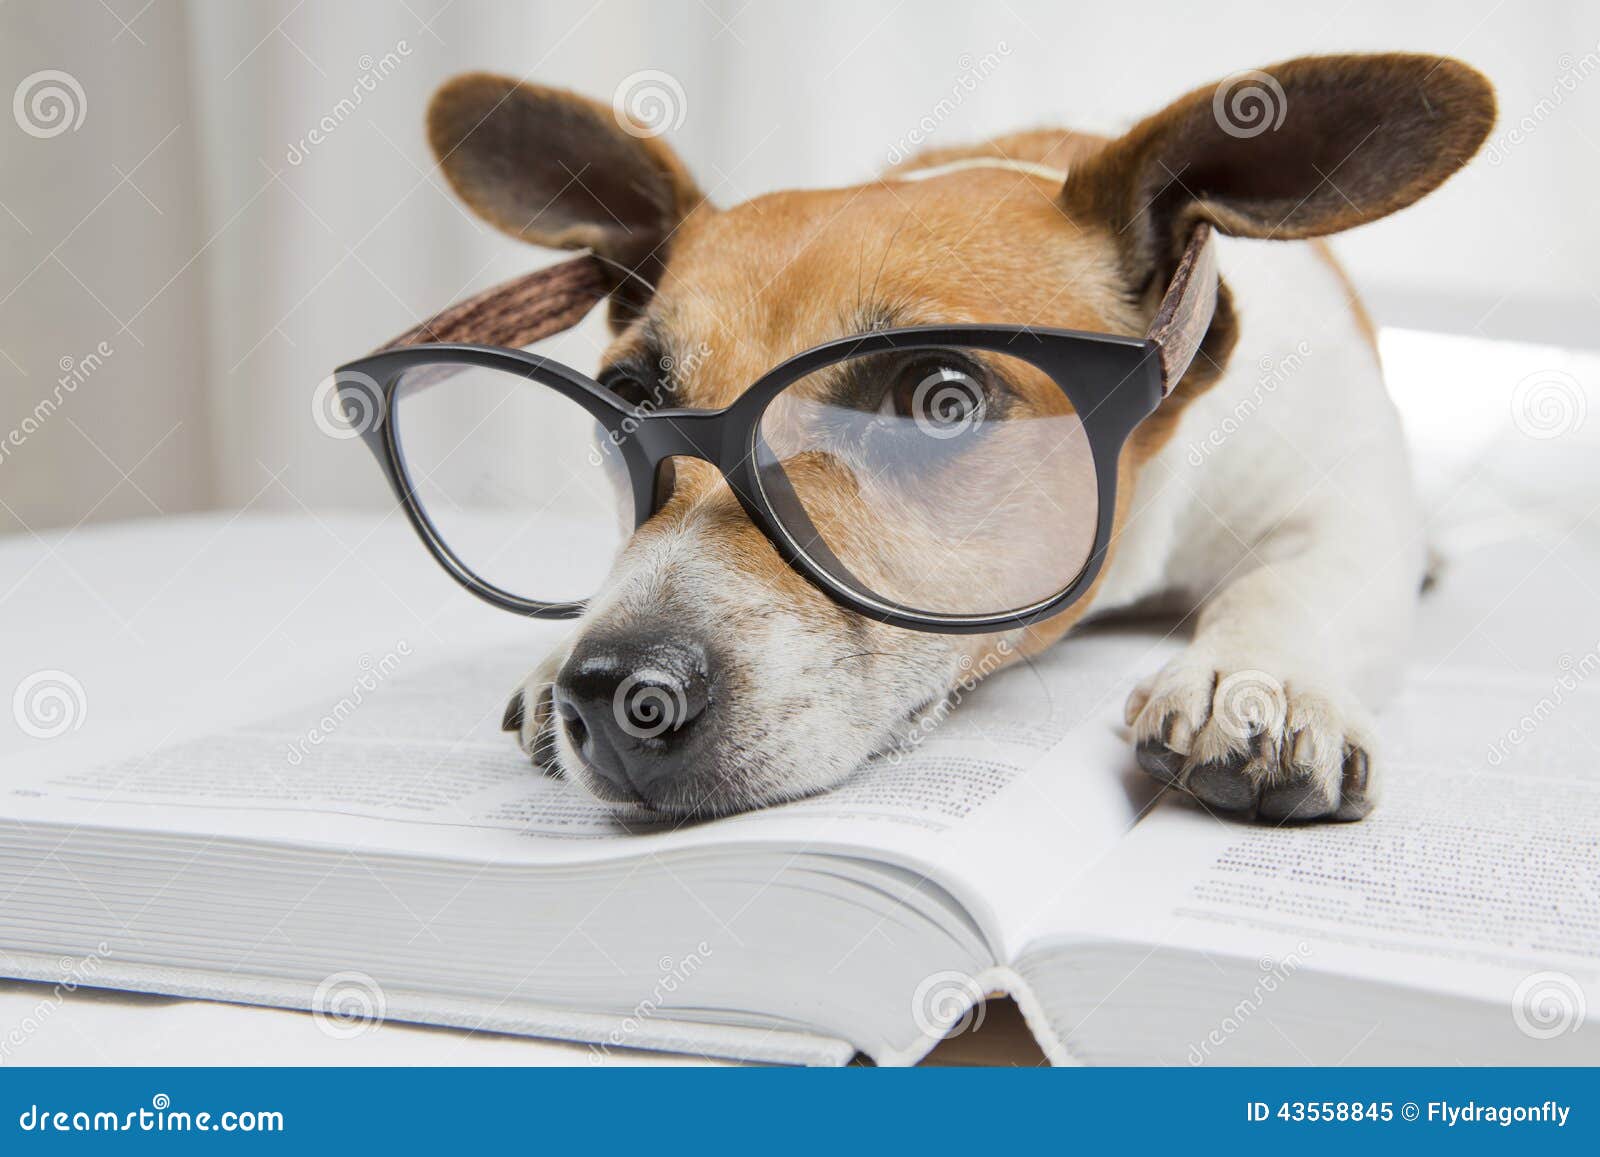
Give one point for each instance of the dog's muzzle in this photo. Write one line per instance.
(632, 709)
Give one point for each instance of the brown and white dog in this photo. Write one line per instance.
(1270, 494)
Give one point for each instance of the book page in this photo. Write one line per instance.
(407, 755)
(1481, 866)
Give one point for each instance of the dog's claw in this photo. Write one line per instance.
(531, 717)
(1281, 754)
(1354, 786)
(542, 748)
(512, 719)
(541, 729)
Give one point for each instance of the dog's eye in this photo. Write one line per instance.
(943, 397)
(629, 385)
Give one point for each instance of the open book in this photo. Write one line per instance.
(382, 850)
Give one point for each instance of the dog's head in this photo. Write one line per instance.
(778, 691)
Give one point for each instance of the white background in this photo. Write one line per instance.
(172, 226)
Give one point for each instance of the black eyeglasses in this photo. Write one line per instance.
(957, 479)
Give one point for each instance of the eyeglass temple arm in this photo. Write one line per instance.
(528, 308)
(1186, 309)
(518, 312)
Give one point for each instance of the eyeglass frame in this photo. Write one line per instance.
(1144, 372)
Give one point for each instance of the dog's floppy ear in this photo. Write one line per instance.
(557, 169)
(1303, 148)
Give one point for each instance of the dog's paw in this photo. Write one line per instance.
(1242, 741)
(531, 716)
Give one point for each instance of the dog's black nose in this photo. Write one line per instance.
(629, 708)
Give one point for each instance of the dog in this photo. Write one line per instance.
(1269, 499)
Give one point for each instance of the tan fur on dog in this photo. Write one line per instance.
(755, 283)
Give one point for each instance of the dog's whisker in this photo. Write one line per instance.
(864, 655)
(884, 260)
